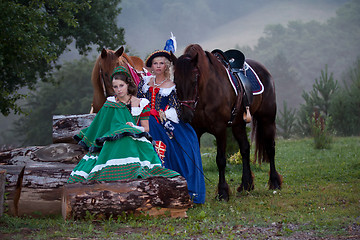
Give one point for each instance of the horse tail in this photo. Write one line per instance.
(98, 93)
(257, 134)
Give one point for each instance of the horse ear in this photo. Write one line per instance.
(120, 51)
(103, 53)
(173, 58)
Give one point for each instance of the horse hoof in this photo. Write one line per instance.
(249, 187)
(276, 183)
(222, 198)
(276, 186)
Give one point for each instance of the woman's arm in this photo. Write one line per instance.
(145, 125)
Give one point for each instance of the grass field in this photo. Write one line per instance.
(320, 199)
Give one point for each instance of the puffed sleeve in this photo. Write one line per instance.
(172, 111)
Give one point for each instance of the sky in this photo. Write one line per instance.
(231, 28)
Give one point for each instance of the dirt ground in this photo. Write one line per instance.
(275, 231)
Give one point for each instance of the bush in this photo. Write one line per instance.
(320, 131)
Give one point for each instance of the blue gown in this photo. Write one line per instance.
(182, 147)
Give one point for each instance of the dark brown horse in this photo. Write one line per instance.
(207, 100)
(103, 68)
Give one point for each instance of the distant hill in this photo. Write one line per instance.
(247, 29)
(147, 30)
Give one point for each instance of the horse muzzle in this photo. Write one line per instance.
(187, 110)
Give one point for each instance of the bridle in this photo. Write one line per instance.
(102, 78)
(194, 101)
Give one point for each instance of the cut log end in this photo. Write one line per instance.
(155, 196)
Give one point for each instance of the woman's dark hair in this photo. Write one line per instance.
(132, 88)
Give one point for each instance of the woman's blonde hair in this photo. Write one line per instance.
(169, 73)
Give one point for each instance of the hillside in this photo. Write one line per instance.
(146, 31)
(247, 29)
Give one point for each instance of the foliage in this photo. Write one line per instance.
(308, 46)
(35, 33)
(72, 94)
(317, 100)
(320, 131)
(345, 108)
(285, 122)
(319, 200)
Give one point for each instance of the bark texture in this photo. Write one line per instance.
(151, 196)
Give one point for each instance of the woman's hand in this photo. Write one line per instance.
(143, 129)
(130, 124)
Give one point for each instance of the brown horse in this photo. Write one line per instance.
(207, 100)
(103, 68)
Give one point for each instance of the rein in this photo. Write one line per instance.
(195, 99)
(102, 78)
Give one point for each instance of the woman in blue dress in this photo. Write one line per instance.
(182, 153)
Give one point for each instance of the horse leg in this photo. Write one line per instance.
(247, 180)
(223, 187)
(275, 179)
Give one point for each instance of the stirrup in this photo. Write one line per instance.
(247, 115)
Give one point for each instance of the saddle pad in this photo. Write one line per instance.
(234, 82)
(256, 85)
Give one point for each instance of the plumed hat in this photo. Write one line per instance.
(170, 46)
(120, 70)
(158, 53)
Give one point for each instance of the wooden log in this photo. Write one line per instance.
(36, 176)
(66, 126)
(2, 191)
(152, 196)
(37, 189)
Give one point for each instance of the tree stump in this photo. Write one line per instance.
(151, 196)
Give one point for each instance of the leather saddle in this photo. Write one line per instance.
(234, 61)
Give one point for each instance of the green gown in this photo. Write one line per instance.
(116, 150)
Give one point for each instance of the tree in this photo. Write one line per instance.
(35, 33)
(71, 94)
(345, 107)
(309, 46)
(286, 121)
(287, 84)
(317, 100)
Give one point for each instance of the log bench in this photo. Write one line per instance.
(36, 176)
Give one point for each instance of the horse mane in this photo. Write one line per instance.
(204, 58)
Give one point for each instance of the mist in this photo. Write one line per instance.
(211, 23)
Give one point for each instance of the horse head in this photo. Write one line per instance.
(186, 78)
(105, 64)
(108, 61)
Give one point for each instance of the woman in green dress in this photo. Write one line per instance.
(118, 143)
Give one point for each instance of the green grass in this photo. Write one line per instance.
(320, 196)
